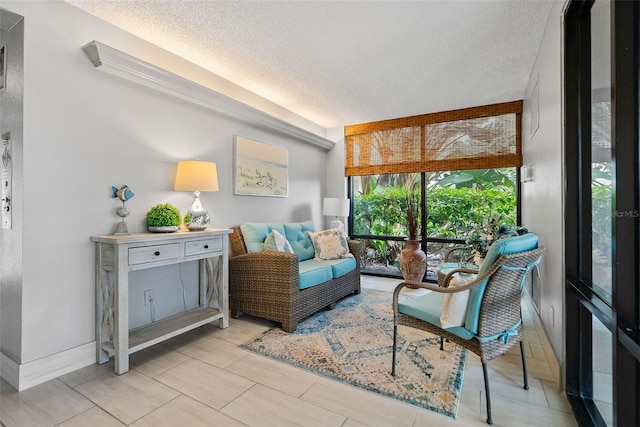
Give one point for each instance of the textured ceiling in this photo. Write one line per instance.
(339, 63)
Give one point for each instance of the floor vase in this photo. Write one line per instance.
(413, 261)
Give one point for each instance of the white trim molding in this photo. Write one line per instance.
(128, 67)
(27, 375)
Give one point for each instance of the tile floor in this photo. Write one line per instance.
(202, 378)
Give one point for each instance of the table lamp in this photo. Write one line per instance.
(197, 176)
(336, 208)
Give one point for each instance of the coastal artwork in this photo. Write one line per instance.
(260, 169)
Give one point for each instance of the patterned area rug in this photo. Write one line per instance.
(353, 344)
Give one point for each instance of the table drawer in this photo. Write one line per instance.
(205, 246)
(154, 253)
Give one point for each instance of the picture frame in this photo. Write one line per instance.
(260, 169)
(3, 68)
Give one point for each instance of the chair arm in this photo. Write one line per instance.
(354, 248)
(454, 249)
(449, 275)
(445, 290)
(275, 271)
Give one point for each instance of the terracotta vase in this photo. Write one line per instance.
(413, 261)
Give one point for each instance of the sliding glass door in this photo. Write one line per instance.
(602, 254)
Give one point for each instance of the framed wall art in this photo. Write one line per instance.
(260, 169)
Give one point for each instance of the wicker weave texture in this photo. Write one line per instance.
(500, 309)
(432, 142)
(266, 284)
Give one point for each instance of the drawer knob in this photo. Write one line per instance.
(156, 253)
(206, 246)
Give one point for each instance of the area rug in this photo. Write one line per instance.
(353, 344)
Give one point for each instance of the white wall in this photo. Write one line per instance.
(336, 181)
(11, 99)
(84, 131)
(542, 198)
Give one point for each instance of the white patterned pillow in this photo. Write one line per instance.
(276, 242)
(330, 244)
(454, 305)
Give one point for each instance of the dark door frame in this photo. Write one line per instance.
(620, 313)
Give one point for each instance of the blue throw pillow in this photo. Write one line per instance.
(297, 233)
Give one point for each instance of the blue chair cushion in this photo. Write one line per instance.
(255, 233)
(297, 233)
(429, 309)
(449, 265)
(312, 273)
(511, 245)
(339, 267)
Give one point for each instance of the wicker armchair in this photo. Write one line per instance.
(457, 254)
(266, 284)
(494, 325)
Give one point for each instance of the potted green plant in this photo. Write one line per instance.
(163, 218)
(412, 260)
(485, 234)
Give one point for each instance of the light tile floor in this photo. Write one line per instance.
(202, 378)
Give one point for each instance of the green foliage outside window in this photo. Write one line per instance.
(457, 203)
(456, 212)
(452, 212)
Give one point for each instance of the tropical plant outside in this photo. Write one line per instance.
(456, 202)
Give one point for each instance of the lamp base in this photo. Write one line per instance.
(199, 215)
(338, 225)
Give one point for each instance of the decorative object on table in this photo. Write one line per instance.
(197, 176)
(123, 193)
(412, 260)
(485, 235)
(352, 344)
(336, 208)
(260, 169)
(163, 218)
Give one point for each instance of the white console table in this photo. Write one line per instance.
(116, 256)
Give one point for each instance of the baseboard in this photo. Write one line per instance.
(27, 375)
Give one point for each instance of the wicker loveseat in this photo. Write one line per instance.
(286, 287)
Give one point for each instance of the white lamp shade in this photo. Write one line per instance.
(194, 175)
(336, 207)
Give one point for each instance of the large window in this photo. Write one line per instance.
(461, 165)
(454, 203)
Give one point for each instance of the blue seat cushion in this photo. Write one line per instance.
(449, 265)
(429, 309)
(255, 233)
(312, 273)
(297, 233)
(511, 245)
(339, 267)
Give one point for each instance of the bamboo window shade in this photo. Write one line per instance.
(483, 137)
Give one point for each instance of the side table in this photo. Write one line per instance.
(116, 256)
